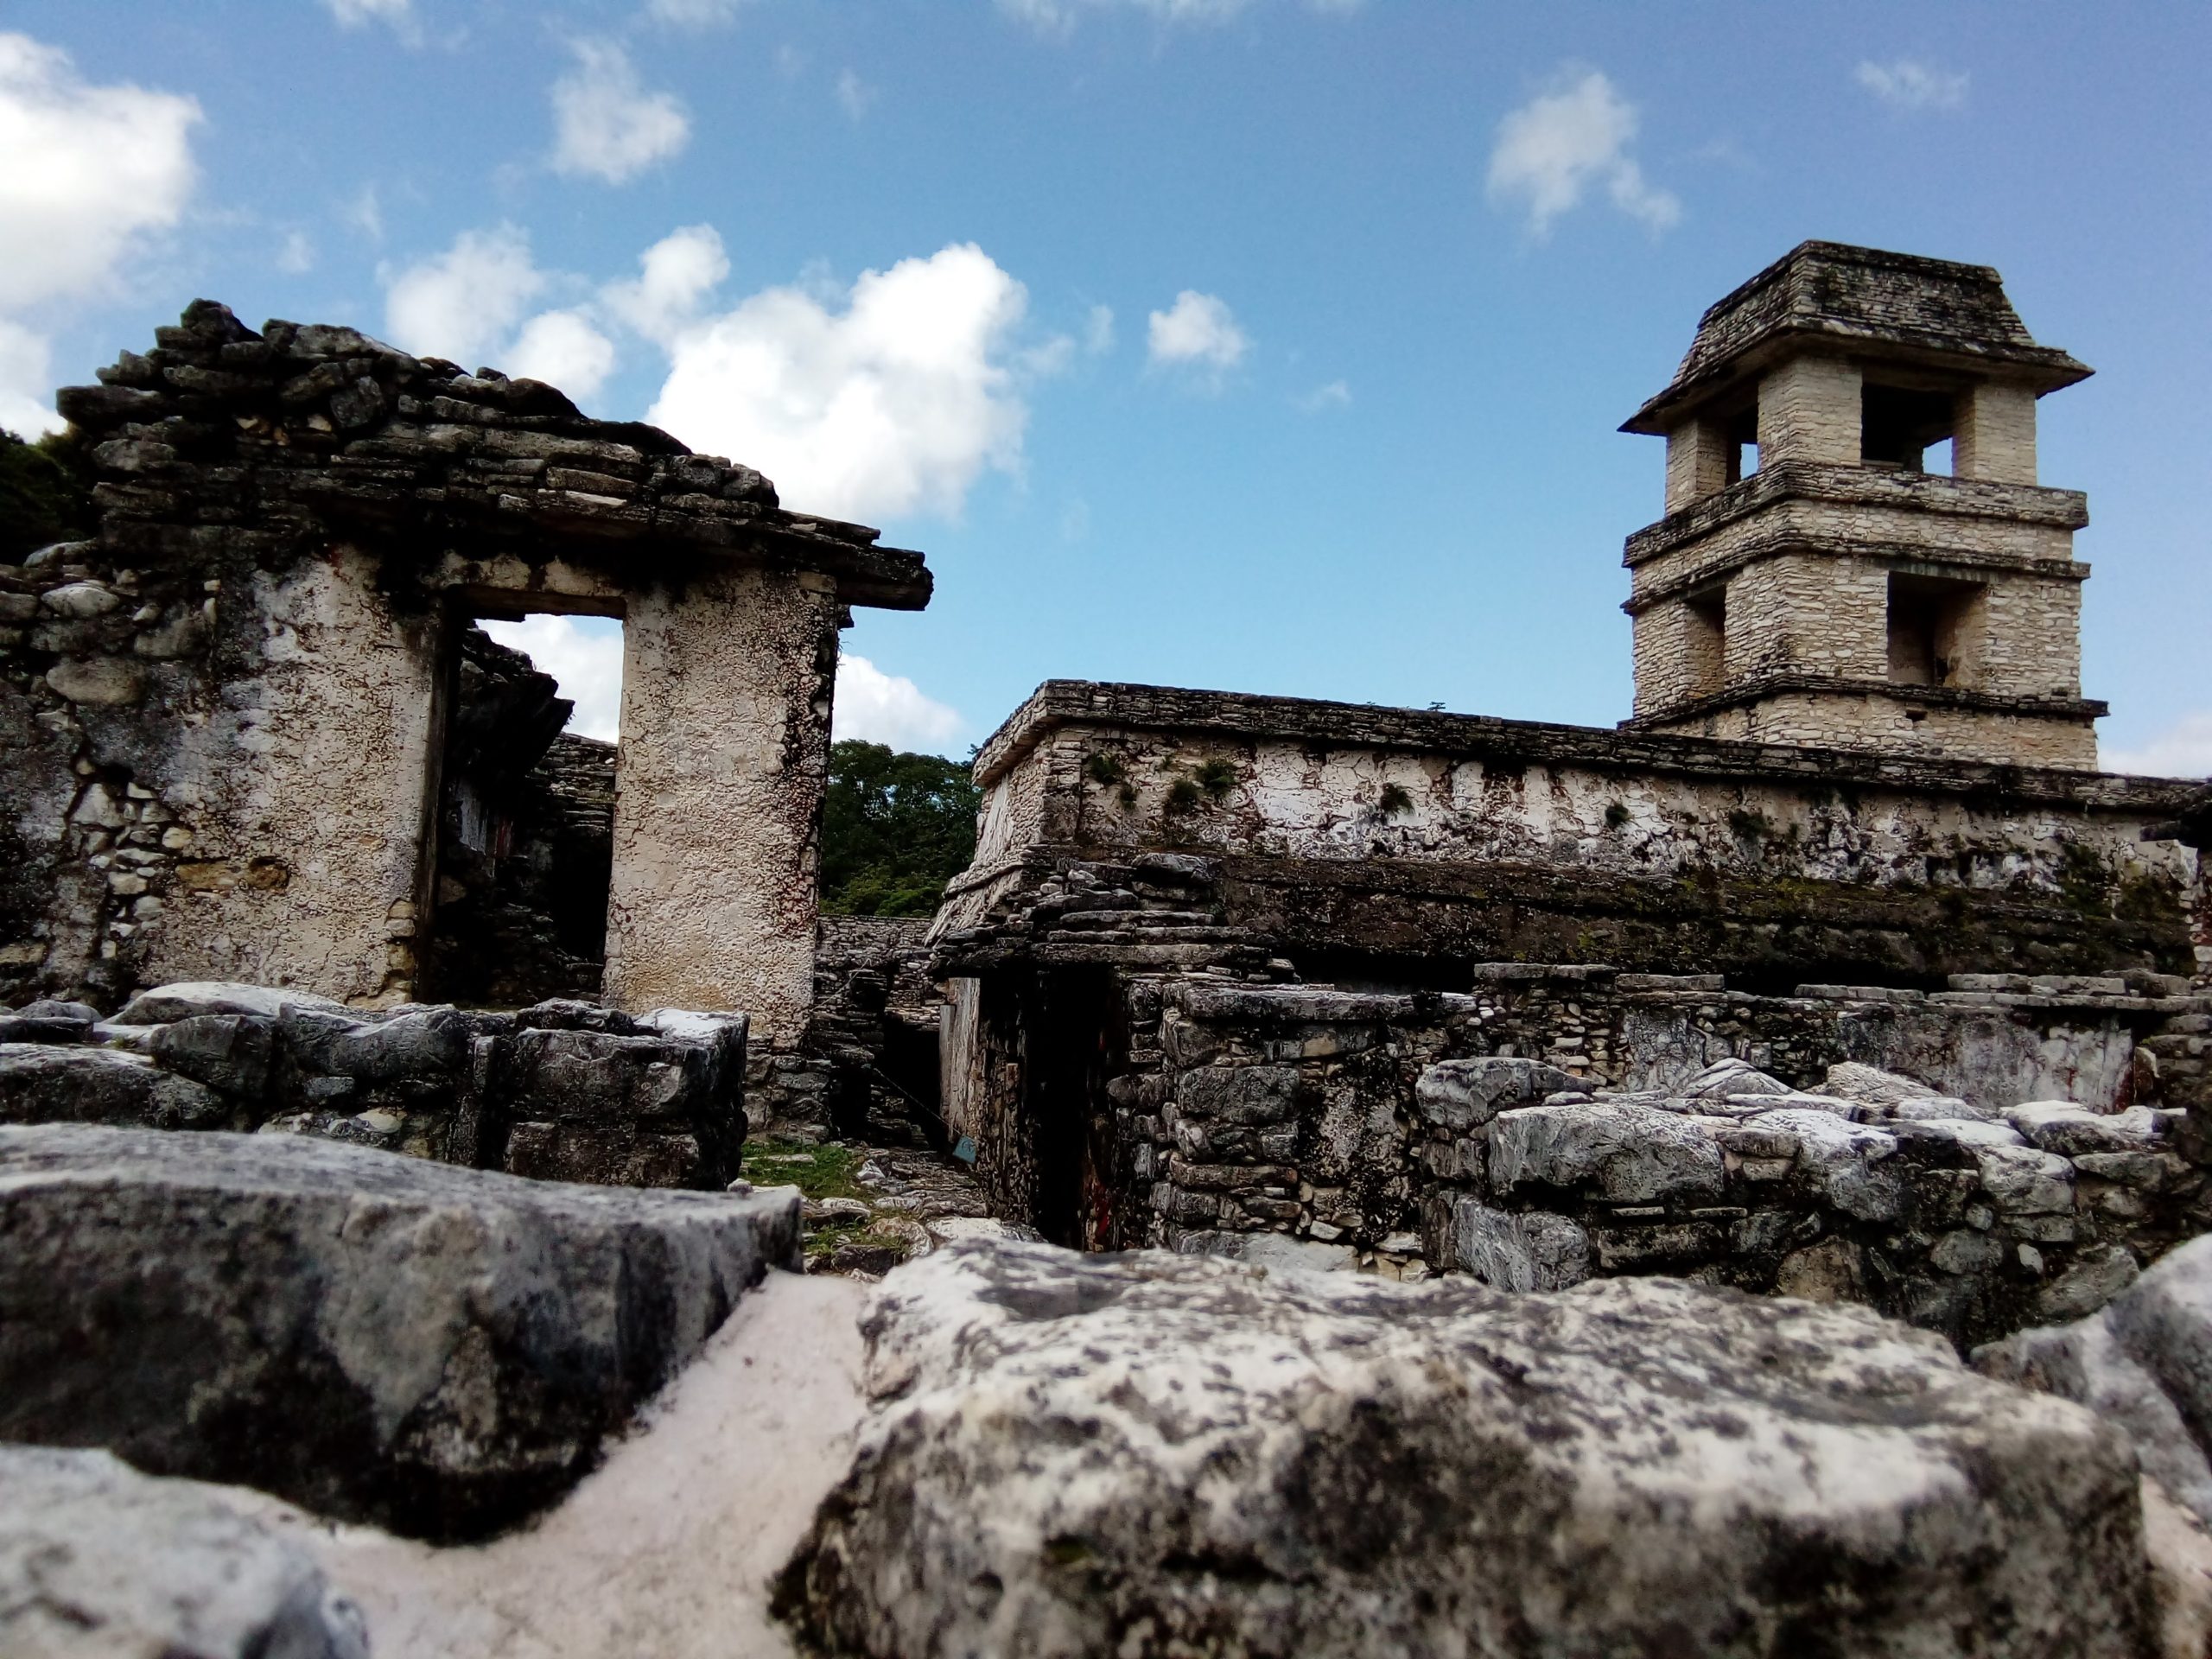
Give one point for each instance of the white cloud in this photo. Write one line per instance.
(562, 349)
(26, 382)
(470, 303)
(1098, 331)
(1560, 144)
(607, 125)
(2183, 750)
(464, 301)
(584, 654)
(1058, 17)
(365, 214)
(675, 276)
(92, 172)
(398, 14)
(887, 399)
(1909, 83)
(1335, 395)
(1198, 332)
(889, 709)
(295, 255)
(694, 14)
(854, 94)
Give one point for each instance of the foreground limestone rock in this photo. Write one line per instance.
(439, 1351)
(98, 1562)
(2143, 1362)
(1152, 1454)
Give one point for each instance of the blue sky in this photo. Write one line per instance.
(1273, 346)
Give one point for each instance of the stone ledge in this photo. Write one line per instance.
(1860, 487)
(1246, 718)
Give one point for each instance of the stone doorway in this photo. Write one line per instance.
(526, 791)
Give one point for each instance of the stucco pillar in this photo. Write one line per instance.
(726, 689)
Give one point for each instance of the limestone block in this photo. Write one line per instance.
(98, 1562)
(1529, 1251)
(100, 681)
(2061, 1126)
(1854, 1080)
(441, 1351)
(1732, 1076)
(1239, 1094)
(1155, 1454)
(1461, 1095)
(622, 1155)
(1841, 1160)
(590, 1077)
(43, 1084)
(164, 1003)
(229, 1052)
(2143, 1362)
(1623, 1155)
(80, 600)
(423, 1042)
(2022, 1182)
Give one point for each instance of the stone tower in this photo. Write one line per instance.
(1814, 581)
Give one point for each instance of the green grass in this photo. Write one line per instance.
(819, 1172)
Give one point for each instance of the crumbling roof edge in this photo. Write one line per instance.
(1249, 715)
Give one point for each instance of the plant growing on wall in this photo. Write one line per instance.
(1216, 778)
(1109, 771)
(1749, 825)
(1395, 799)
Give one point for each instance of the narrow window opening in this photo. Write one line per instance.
(1933, 624)
(1741, 439)
(1708, 641)
(1903, 430)
(526, 809)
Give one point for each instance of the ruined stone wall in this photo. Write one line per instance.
(562, 1090)
(1446, 835)
(1248, 1109)
(250, 767)
(222, 722)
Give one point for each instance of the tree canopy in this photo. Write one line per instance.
(45, 494)
(895, 829)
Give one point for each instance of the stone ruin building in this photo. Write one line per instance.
(1837, 971)
(1210, 942)
(1218, 956)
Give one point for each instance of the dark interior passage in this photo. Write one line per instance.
(525, 842)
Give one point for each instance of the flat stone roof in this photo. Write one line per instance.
(307, 431)
(1242, 716)
(1897, 305)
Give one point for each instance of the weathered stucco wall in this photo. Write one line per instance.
(1234, 1116)
(1940, 868)
(716, 829)
(221, 721)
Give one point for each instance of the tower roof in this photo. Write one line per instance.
(1894, 305)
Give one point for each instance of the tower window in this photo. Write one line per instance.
(1706, 641)
(1740, 437)
(1933, 624)
(1899, 426)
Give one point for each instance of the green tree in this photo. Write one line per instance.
(895, 829)
(45, 494)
